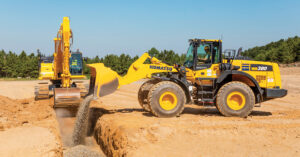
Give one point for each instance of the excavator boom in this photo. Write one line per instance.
(65, 67)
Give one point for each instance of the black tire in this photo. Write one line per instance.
(226, 90)
(156, 92)
(143, 93)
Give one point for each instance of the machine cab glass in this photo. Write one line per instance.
(201, 54)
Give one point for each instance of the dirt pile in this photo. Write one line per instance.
(29, 114)
(24, 112)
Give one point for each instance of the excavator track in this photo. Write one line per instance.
(42, 91)
(83, 89)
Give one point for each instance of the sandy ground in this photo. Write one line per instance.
(28, 128)
(28, 141)
(124, 129)
(18, 89)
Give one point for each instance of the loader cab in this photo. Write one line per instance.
(202, 53)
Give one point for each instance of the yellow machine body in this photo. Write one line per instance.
(266, 79)
(107, 81)
(234, 85)
(58, 72)
(60, 68)
(263, 75)
(46, 71)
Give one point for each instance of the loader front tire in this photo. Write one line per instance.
(143, 93)
(235, 99)
(166, 99)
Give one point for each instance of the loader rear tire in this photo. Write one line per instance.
(235, 99)
(143, 93)
(166, 99)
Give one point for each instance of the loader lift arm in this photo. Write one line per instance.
(105, 81)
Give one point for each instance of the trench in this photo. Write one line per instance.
(66, 118)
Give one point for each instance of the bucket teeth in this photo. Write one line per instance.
(42, 91)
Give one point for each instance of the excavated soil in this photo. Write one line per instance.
(28, 128)
(34, 128)
(122, 128)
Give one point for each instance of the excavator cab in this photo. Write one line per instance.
(76, 63)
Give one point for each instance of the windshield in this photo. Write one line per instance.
(189, 57)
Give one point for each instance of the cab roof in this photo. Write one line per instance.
(205, 40)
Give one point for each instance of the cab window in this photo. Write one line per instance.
(204, 54)
(189, 58)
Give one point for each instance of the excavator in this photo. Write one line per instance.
(61, 70)
(208, 77)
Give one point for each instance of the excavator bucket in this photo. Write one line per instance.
(103, 80)
(64, 97)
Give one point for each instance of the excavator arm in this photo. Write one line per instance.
(105, 81)
(65, 91)
(62, 53)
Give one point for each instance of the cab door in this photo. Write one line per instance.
(207, 62)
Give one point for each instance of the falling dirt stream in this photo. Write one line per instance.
(74, 132)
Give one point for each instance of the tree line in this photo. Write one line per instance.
(13, 65)
(282, 51)
(22, 65)
(121, 63)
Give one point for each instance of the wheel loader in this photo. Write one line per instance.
(207, 77)
(60, 70)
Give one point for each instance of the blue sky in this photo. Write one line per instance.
(134, 26)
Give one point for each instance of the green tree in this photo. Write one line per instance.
(282, 51)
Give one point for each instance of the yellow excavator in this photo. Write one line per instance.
(232, 83)
(61, 69)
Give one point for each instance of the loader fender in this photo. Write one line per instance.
(227, 73)
(181, 83)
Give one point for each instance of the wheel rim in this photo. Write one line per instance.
(168, 101)
(236, 100)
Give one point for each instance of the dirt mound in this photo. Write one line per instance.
(28, 141)
(22, 112)
(29, 113)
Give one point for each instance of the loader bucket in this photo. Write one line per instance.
(103, 80)
(64, 97)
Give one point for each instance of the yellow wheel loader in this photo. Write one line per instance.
(60, 70)
(232, 83)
